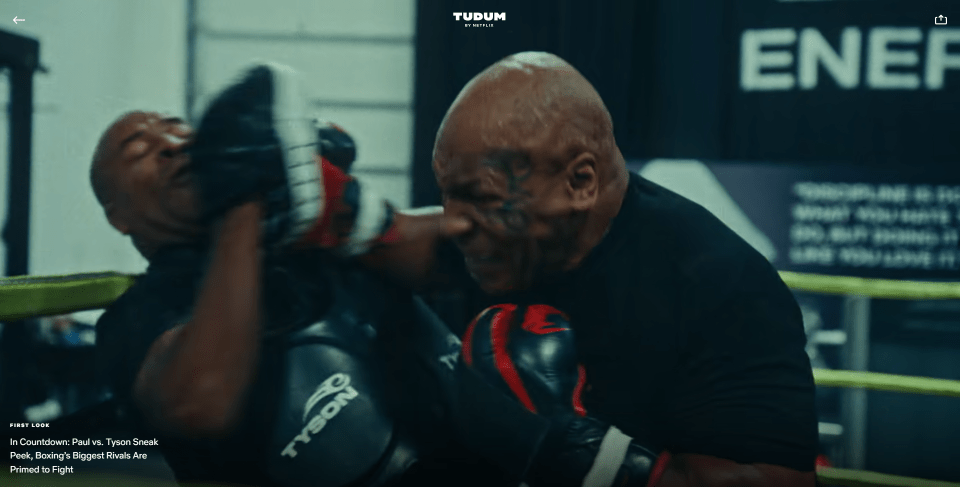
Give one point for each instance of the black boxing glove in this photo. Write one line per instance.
(528, 352)
(336, 145)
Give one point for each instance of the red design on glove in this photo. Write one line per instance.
(334, 182)
(537, 319)
(578, 392)
(499, 336)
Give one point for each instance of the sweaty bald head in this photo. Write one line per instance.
(535, 101)
(527, 154)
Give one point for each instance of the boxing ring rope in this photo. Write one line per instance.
(33, 296)
(886, 382)
(872, 288)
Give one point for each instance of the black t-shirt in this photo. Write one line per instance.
(295, 295)
(690, 340)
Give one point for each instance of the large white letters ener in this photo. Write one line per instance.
(892, 58)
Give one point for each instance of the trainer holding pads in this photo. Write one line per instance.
(252, 362)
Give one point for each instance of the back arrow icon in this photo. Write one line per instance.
(15, 19)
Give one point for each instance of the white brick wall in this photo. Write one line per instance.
(356, 58)
(365, 18)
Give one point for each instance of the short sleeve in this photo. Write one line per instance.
(746, 390)
(130, 325)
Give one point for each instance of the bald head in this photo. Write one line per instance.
(138, 174)
(527, 154)
(101, 175)
(534, 101)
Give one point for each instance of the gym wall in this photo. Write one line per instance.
(356, 59)
(104, 57)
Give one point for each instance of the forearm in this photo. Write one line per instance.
(410, 258)
(198, 373)
(358, 223)
(706, 471)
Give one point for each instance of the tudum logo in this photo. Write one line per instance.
(478, 16)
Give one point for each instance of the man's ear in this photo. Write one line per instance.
(583, 185)
(116, 220)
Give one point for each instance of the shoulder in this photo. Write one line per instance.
(714, 280)
(682, 227)
(157, 302)
(701, 249)
(156, 297)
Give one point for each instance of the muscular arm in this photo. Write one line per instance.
(194, 376)
(410, 259)
(759, 323)
(706, 471)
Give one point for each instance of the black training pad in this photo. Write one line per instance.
(237, 152)
(333, 419)
(322, 317)
(363, 397)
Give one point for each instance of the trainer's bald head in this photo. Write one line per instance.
(102, 171)
(535, 102)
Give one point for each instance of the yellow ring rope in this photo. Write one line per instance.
(29, 296)
(862, 478)
(886, 382)
(25, 296)
(874, 288)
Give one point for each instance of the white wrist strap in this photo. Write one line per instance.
(371, 216)
(612, 452)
